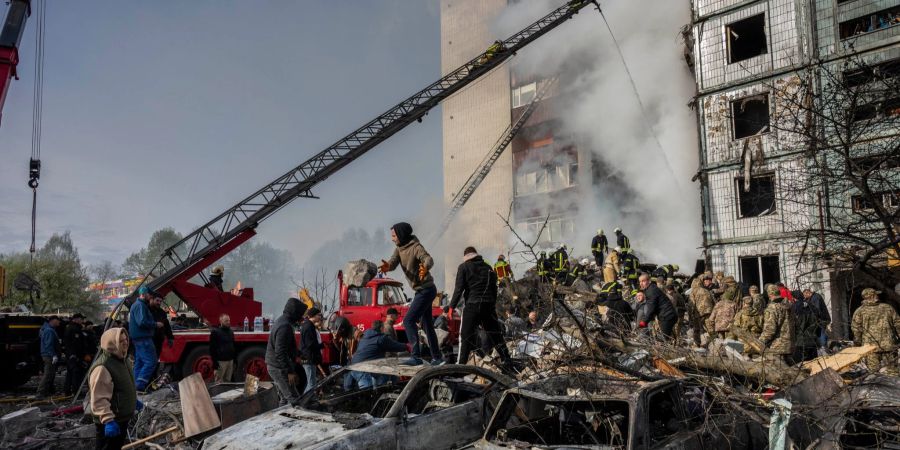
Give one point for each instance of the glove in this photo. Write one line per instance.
(111, 429)
(55, 359)
(171, 342)
(139, 406)
(422, 271)
(293, 379)
(642, 324)
(385, 267)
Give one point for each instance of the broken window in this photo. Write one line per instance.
(863, 203)
(863, 75)
(877, 110)
(664, 415)
(760, 270)
(757, 198)
(750, 116)
(879, 162)
(869, 23)
(746, 38)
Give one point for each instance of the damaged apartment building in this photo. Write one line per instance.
(538, 174)
(746, 54)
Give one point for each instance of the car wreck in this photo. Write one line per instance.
(438, 407)
(602, 412)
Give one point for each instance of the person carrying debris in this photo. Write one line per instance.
(141, 329)
(111, 390)
(476, 284)
(50, 352)
(622, 241)
(722, 316)
(221, 349)
(281, 351)
(658, 307)
(700, 306)
(778, 327)
(501, 267)
(877, 324)
(311, 346)
(749, 320)
(373, 345)
(611, 266)
(618, 312)
(415, 262)
(599, 246)
(215, 278)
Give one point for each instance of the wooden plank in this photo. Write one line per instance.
(840, 361)
(151, 437)
(197, 408)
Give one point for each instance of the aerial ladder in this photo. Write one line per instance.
(213, 240)
(10, 38)
(481, 171)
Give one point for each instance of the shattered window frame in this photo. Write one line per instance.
(742, 123)
(869, 23)
(741, 51)
(762, 269)
(744, 210)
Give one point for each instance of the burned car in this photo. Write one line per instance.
(437, 408)
(602, 412)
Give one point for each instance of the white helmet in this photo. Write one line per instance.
(561, 247)
(585, 261)
(600, 231)
(617, 230)
(618, 249)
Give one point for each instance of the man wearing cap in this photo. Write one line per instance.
(599, 246)
(141, 329)
(77, 357)
(878, 324)
(416, 263)
(700, 306)
(778, 327)
(281, 351)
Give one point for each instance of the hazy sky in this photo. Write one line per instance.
(166, 113)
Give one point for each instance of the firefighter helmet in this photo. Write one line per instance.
(218, 270)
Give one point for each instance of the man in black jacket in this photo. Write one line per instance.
(221, 349)
(619, 313)
(281, 351)
(658, 307)
(311, 346)
(75, 344)
(164, 333)
(476, 282)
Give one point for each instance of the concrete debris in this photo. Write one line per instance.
(358, 273)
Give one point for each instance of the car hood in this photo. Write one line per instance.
(285, 427)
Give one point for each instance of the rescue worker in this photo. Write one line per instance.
(579, 270)
(476, 285)
(630, 268)
(658, 307)
(50, 353)
(111, 390)
(778, 327)
(877, 324)
(619, 313)
(501, 267)
(722, 316)
(611, 267)
(700, 306)
(599, 246)
(622, 241)
(560, 263)
(222, 350)
(141, 329)
(215, 278)
(665, 272)
(495, 48)
(281, 351)
(543, 267)
(749, 319)
(415, 262)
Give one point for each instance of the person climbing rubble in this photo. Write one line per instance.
(877, 324)
(281, 351)
(415, 262)
(111, 390)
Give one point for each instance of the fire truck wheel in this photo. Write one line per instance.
(251, 360)
(198, 360)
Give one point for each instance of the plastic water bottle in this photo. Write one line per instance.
(258, 323)
(246, 323)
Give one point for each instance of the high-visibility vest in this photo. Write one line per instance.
(541, 267)
(502, 269)
(610, 287)
(561, 262)
(576, 271)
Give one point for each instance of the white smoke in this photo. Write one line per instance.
(653, 201)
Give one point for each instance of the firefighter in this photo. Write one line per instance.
(496, 47)
(561, 263)
(501, 267)
(622, 241)
(665, 272)
(579, 269)
(215, 278)
(630, 266)
(543, 267)
(611, 267)
(599, 246)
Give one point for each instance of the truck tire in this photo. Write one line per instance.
(251, 360)
(198, 360)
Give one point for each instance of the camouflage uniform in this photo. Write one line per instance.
(699, 308)
(749, 319)
(878, 324)
(778, 327)
(722, 315)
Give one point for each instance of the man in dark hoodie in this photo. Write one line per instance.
(411, 256)
(281, 351)
(373, 345)
(476, 281)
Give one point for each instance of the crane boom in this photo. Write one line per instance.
(211, 241)
(10, 38)
(481, 171)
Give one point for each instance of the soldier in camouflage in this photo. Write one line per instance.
(877, 324)
(749, 319)
(778, 327)
(700, 306)
(723, 313)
